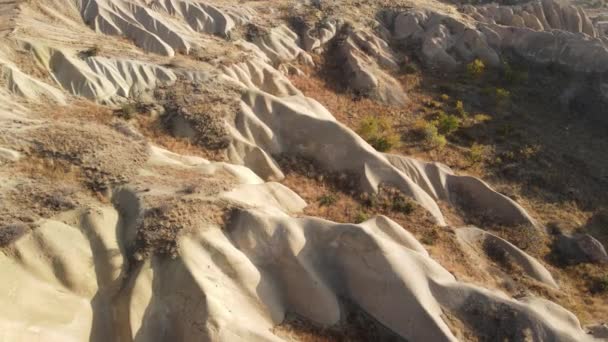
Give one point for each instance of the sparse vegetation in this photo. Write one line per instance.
(476, 69)
(403, 205)
(447, 123)
(476, 153)
(502, 96)
(378, 132)
(128, 110)
(90, 52)
(327, 200)
(479, 118)
(600, 284)
(409, 68)
(430, 134)
(460, 109)
(361, 217)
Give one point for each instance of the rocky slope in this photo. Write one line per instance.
(143, 178)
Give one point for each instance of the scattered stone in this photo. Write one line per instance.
(579, 248)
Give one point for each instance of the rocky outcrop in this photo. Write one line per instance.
(448, 43)
(366, 62)
(227, 257)
(99, 78)
(503, 251)
(545, 15)
(444, 41)
(579, 248)
(150, 27)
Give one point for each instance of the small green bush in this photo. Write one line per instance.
(378, 132)
(433, 138)
(128, 110)
(409, 68)
(403, 205)
(502, 96)
(433, 104)
(90, 52)
(327, 200)
(430, 134)
(460, 109)
(361, 217)
(476, 68)
(447, 124)
(385, 143)
(482, 118)
(476, 153)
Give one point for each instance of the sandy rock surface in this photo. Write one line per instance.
(106, 236)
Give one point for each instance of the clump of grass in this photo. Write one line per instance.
(390, 199)
(379, 133)
(128, 110)
(409, 68)
(476, 153)
(430, 134)
(447, 123)
(90, 52)
(433, 104)
(327, 200)
(476, 69)
(430, 237)
(403, 205)
(481, 118)
(502, 96)
(361, 217)
(460, 109)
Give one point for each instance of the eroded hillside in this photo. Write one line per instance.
(303, 171)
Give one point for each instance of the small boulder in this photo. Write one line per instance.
(598, 331)
(580, 248)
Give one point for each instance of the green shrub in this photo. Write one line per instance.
(90, 52)
(409, 68)
(430, 134)
(460, 109)
(476, 68)
(433, 104)
(361, 217)
(327, 200)
(379, 133)
(403, 205)
(447, 124)
(476, 153)
(128, 110)
(386, 142)
(482, 118)
(502, 96)
(433, 138)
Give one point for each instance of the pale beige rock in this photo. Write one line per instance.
(533, 268)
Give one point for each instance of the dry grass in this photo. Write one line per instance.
(156, 134)
(355, 326)
(49, 169)
(479, 149)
